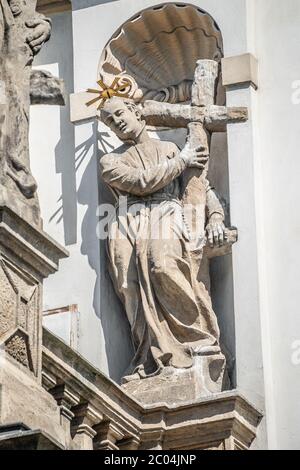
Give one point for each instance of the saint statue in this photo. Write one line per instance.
(168, 307)
(22, 34)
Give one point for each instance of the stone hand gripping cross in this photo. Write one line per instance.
(201, 118)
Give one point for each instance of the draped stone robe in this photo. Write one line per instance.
(169, 310)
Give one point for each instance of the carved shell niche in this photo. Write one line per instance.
(158, 49)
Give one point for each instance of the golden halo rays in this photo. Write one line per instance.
(121, 86)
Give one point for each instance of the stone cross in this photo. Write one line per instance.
(201, 118)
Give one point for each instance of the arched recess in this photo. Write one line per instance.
(159, 47)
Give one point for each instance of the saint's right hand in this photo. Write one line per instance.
(194, 157)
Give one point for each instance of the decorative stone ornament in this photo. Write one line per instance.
(159, 48)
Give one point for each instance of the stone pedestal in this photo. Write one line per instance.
(27, 257)
(20, 437)
(175, 386)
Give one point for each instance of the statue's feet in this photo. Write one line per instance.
(140, 374)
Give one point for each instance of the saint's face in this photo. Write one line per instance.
(122, 121)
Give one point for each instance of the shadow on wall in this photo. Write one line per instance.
(66, 211)
(221, 273)
(65, 165)
(108, 308)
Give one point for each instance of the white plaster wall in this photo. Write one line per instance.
(278, 143)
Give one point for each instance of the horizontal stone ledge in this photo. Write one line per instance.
(226, 420)
(240, 70)
(214, 118)
(29, 243)
(21, 438)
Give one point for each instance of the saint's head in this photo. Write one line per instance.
(123, 117)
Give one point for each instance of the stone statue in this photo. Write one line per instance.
(168, 307)
(22, 34)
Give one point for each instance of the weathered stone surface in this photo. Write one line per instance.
(27, 256)
(46, 89)
(18, 347)
(24, 400)
(224, 421)
(86, 418)
(239, 70)
(174, 386)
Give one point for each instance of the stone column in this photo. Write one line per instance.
(132, 443)
(66, 398)
(27, 257)
(108, 435)
(85, 417)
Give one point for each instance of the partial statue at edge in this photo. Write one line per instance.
(22, 34)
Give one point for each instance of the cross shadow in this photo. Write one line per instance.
(64, 161)
(66, 210)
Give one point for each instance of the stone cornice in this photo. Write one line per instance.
(226, 421)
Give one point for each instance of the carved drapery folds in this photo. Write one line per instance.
(159, 48)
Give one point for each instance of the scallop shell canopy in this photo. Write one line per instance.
(158, 49)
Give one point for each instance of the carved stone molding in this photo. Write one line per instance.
(225, 421)
(85, 418)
